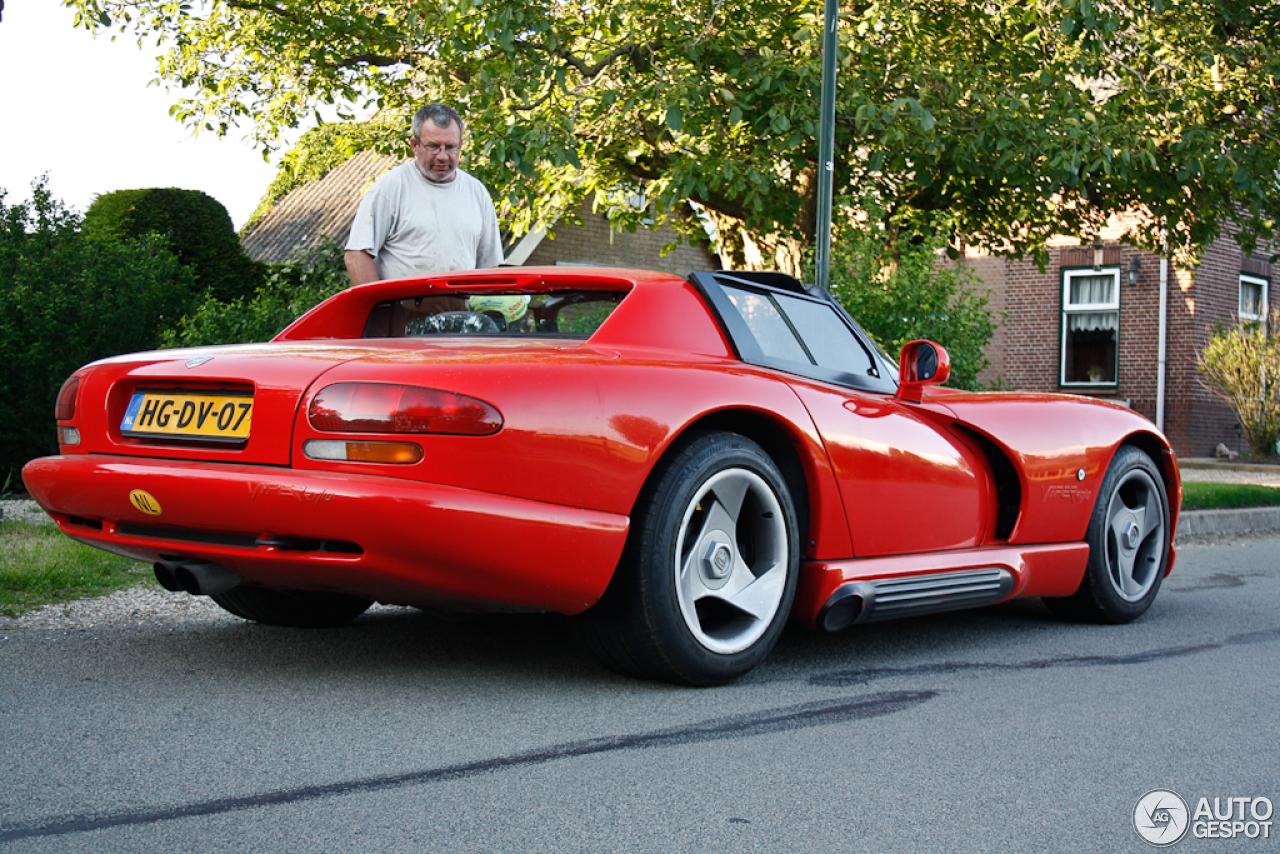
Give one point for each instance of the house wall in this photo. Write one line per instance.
(595, 242)
(1209, 296)
(1026, 349)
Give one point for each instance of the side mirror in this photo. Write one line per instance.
(921, 364)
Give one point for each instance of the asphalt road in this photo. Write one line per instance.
(995, 730)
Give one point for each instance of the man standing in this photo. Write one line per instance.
(425, 216)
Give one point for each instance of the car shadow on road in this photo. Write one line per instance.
(407, 646)
(384, 644)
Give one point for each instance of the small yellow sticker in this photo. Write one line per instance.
(145, 501)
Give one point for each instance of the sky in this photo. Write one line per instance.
(80, 109)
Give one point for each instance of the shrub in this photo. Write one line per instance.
(304, 280)
(914, 297)
(197, 227)
(1241, 365)
(67, 299)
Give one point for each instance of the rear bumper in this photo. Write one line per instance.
(391, 540)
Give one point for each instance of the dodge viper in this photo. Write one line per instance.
(681, 465)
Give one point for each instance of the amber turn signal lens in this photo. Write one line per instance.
(387, 408)
(395, 453)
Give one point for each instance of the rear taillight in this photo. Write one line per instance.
(65, 409)
(385, 408)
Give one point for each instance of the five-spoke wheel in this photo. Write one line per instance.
(1135, 534)
(1128, 541)
(710, 568)
(731, 562)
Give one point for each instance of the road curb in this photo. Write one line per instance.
(1228, 521)
(1210, 464)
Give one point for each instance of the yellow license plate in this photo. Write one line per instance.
(219, 417)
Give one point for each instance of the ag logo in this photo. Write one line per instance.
(1161, 817)
(145, 501)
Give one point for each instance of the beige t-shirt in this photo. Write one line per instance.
(413, 227)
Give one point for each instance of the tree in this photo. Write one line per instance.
(67, 299)
(913, 297)
(196, 225)
(1022, 120)
(1241, 365)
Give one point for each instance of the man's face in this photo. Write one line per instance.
(436, 151)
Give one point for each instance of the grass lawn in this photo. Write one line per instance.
(1227, 496)
(40, 565)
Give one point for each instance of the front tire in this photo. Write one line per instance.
(304, 609)
(710, 569)
(1128, 541)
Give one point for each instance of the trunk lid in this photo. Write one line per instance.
(275, 377)
(178, 397)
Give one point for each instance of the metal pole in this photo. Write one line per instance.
(826, 146)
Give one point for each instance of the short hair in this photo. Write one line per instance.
(442, 115)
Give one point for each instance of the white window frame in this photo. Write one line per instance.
(1264, 285)
(1069, 309)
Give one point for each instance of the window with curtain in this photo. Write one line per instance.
(1090, 326)
(1253, 298)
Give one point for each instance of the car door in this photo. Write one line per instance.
(907, 485)
(909, 482)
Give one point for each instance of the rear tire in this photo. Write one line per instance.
(710, 569)
(305, 609)
(1128, 541)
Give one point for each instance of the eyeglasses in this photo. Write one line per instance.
(433, 148)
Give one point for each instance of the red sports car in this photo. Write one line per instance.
(681, 464)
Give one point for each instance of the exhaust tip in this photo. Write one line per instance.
(167, 578)
(840, 611)
(199, 578)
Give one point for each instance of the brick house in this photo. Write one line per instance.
(1090, 324)
(328, 205)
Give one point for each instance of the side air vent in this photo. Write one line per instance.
(1008, 487)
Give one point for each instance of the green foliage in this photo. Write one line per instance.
(915, 297)
(1241, 366)
(67, 299)
(1023, 120)
(1227, 496)
(303, 281)
(321, 150)
(39, 565)
(196, 226)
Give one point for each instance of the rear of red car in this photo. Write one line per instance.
(403, 469)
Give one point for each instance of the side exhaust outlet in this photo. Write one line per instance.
(198, 578)
(912, 595)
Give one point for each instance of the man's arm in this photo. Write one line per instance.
(361, 266)
(489, 250)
